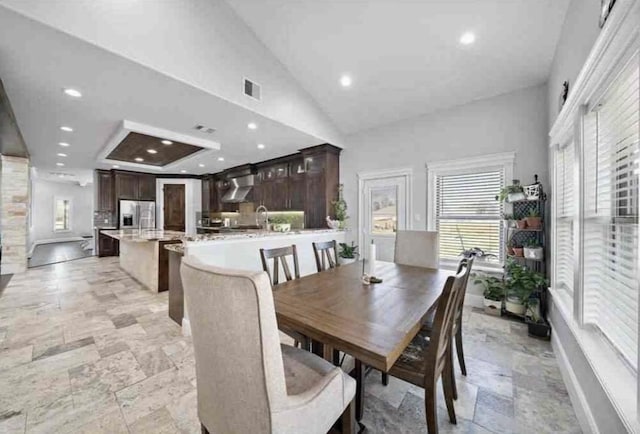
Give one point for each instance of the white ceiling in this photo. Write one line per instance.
(36, 69)
(404, 55)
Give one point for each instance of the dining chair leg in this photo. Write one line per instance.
(447, 387)
(450, 371)
(336, 357)
(430, 400)
(460, 352)
(359, 376)
(385, 379)
(348, 419)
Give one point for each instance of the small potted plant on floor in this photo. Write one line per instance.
(537, 326)
(493, 293)
(521, 283)
(534, 221)
(348, 253)
(533, 250)
(518, 250)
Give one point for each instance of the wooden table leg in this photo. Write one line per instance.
(317, 348)
(358, 374)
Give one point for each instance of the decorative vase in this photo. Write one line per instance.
(533, 253)
(521, 224)
(534, 222)
(514, 305)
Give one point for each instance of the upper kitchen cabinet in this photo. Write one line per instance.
(105, 197)
(134, 186)
(322, 176)
(146, 187)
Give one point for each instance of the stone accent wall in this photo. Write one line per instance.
(14, 218)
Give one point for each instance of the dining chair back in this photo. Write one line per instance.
(456, 329)
(417, 248)
(279, 255)
(247, 381)
(326, 254)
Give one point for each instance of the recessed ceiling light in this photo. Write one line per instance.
(59, 164)
(60, 154)
(67, 129)
(115, 166)
(73, 93)
(345, 81)
(252, 126)
(260, 146)
(467, 38)
(183, 171)
(220, 158)
(152, 151)
(64, 144)
(139, 159)
(200, 165)
(167, 142)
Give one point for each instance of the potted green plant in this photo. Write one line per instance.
(340, 208)
(521, 283)
(533, 250)
(347, 253)
(518, 250)
(511, 193)
(493, 293)
(280, 223)
(534, 221)
(537, 326)
(509, 220)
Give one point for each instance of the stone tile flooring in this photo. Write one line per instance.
(83, 348)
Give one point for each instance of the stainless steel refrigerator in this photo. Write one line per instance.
(137, 214)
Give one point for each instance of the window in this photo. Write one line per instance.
(610, 245)
(465, 211)
(565, 216)
(62, 219)
(384, 211)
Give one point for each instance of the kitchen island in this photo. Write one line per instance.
(239, 251)
(143, 256)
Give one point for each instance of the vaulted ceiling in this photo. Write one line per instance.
(404, 56)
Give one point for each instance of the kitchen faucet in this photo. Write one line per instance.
(264, 209)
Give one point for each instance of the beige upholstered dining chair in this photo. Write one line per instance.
(417, 248)
(247, 381)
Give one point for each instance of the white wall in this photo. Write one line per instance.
(192, 204)
(512, 122)
(44, 193)
(189, 40)
(579, 32)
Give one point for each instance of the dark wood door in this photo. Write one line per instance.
(297, 192)
(126, 186)
(146, 187)
(174, 201)
(106, 196)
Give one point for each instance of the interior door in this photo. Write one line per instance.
(385, 212)
(174, 202)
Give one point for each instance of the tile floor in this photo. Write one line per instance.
(83, 348)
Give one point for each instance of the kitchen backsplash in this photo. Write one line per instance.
(103, 218)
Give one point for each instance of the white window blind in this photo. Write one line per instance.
(565, 217)
(610, 245)
(467, 214)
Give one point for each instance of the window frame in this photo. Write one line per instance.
(55, 214)
(503, 161)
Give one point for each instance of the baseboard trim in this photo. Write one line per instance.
(578, 398)
(58, 240)
(186, 327)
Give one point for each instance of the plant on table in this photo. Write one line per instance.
(348, 251)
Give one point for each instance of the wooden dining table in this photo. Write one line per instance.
(372, 323)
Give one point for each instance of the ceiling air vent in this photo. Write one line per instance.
(203, 129)
(252, 89)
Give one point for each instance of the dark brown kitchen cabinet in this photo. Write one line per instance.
(297, 192)
(105, 198)
(126, 186)
(146, 187)
(107, 246)
(322, 166)
(207, 194)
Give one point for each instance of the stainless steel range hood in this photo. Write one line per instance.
(240, 188)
